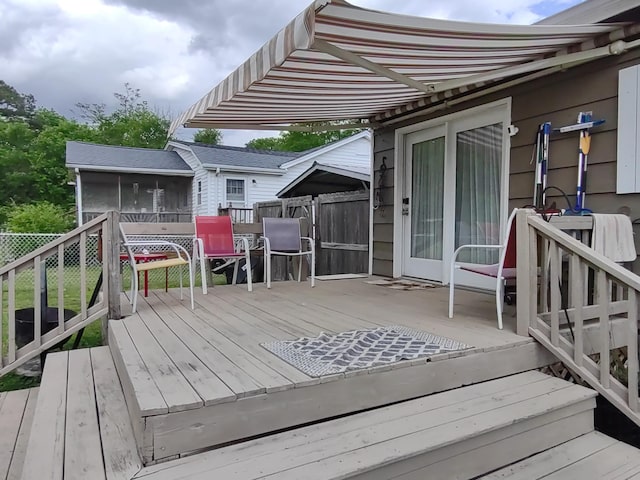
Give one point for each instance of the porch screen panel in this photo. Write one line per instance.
(427, 190)
(478, 169)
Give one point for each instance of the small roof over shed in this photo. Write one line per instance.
(327, 178)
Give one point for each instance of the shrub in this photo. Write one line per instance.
(41, 217)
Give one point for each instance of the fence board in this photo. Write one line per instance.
(342, 233)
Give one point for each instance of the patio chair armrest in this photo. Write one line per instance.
(245, 243)
(462, 247)
(198, 248)
(266, 244)
(312, 243)
(160, 243)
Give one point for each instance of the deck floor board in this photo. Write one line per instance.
(16, 415)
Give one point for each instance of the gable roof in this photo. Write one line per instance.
(331, 174)
(322, 149)
(336, 61)
(111, 158)
(213, 156)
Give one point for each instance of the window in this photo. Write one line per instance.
(628, 162)
(199, 196)
(235, 190)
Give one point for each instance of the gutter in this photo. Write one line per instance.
(240, 169)
(99, 168)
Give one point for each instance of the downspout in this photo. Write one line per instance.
(78, 198)
(371, 211)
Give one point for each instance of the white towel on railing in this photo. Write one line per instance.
(613, 237)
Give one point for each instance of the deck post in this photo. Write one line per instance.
(113, 279)
(523, 277)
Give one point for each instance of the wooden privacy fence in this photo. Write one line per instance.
(339, 222)
(84, 260)
(573, 301)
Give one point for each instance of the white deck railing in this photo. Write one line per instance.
(580, 292)
(66, 260)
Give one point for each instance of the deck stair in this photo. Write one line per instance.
(461, 433)
(84, 432)
(593, 455)
(81, 429)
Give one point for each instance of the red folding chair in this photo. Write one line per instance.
(502, 271)
(215, 240)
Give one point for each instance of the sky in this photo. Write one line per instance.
(69, 51)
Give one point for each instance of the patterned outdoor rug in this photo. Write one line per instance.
(328, 353)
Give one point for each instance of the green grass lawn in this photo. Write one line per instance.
(92, 336)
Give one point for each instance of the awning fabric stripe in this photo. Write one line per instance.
(336, 61)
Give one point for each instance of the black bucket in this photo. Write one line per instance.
(256, 271)
(25, 322)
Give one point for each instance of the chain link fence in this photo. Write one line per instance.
(16, 245)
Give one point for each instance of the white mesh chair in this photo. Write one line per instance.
(281, 236)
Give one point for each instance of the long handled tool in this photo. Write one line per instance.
(585, 123)
(542, 161)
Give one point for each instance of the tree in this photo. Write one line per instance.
(210, 136)
(14, 104)
(132, 124)
(42, 217)
(48, 172)
(266, 143)
(297, 141)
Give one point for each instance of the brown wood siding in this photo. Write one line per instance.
(557, 99)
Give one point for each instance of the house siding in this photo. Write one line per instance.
(558, 99)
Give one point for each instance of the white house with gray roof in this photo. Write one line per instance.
(187, 179)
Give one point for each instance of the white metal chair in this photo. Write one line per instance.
(281, 236)
(502, 271)
(182, 258)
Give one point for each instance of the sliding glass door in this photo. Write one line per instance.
(453, 194)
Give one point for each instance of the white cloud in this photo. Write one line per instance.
(68, 51)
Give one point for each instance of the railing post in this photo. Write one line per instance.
(113, 280)
(525, 289)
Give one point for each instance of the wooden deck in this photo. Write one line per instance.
(16, 416)
(197, 379)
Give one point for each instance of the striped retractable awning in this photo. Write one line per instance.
(336, 61)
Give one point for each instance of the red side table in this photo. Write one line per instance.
(148, 257)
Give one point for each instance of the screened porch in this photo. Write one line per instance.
(138, 197)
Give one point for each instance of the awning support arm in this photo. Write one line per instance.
(354, 59)
(615, 48)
